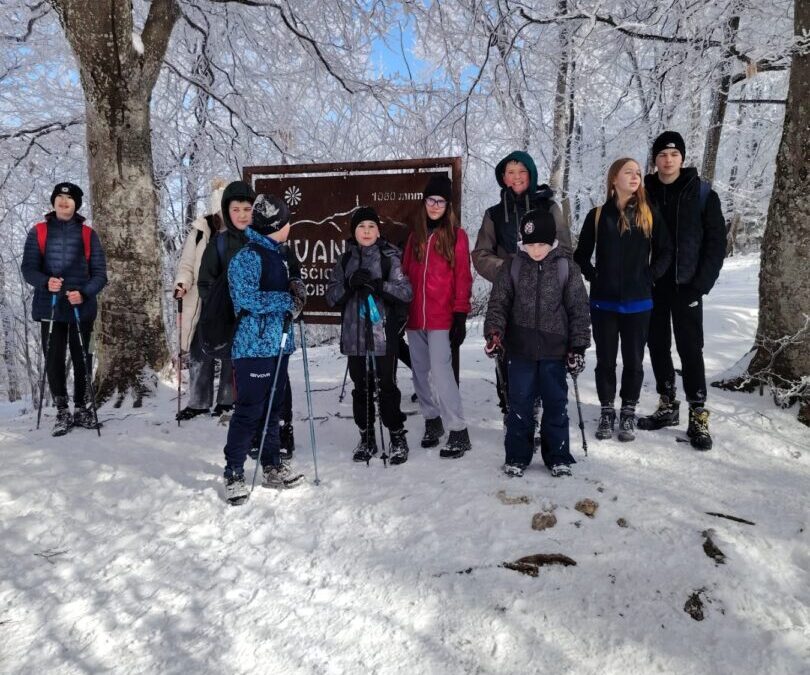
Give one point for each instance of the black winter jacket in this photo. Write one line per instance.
(542, 321)
(626, 264)
(64, 257)
(698, 235)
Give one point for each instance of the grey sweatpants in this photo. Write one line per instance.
(201, 379)
(433, 379)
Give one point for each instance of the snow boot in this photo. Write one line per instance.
(627, 424)
(83, 417)
(434, 430)
(667, 414)
(513, 470)
(287, 439)
(698, 430)
(221, 408)
(606, 422)
(64, 420)
(281, 477)
(398, 452)
(366, 447)
(188, 413)
(559, 470)
(236, 491)
(458, 442)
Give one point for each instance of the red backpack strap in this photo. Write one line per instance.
(87, 234)
(42, 236)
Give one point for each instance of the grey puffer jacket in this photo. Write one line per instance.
(542, 321)
(395, 289)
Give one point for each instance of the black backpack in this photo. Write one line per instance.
(218, 321)
(398, 316)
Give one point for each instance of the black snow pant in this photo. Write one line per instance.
(362, 396)
(608, 329)
(679, 311)
(65, 335)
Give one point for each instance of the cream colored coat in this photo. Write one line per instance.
(187, 270)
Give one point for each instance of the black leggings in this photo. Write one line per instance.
(64, 335)
(610, 328)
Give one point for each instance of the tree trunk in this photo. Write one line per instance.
(719, 104)
(117, 77)
(784, 284)
(560, 121)
(9, 351)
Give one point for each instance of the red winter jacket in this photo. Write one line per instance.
(438, 289)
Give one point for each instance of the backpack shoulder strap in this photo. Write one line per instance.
(703, 193)
(199, 237)
(596, 220)
(562, 271)
(42, 236)
(219, 243)
(514, 270)
(87, 237)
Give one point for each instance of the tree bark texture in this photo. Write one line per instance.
(560, 121)
(784, 281)
(117, 79)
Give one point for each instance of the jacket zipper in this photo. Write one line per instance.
(424, 283)
(677, 222)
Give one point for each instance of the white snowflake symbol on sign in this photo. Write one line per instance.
(292, 195)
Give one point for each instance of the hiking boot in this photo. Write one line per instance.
(559, 470)
(458, 442)
(287, 440)
(398, 452)
(434, 430)
(698, 430)
(281, 476)
(606, 422)
(64, 420)
(83, 417)
(513, 470)
(220, 408)
(366, 447)
(667, 414)
(236, 491)
(188, 413)
(627, 424)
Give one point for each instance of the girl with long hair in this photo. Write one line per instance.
(633, 250)
(437, 262)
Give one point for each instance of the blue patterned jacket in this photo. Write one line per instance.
(259, 279)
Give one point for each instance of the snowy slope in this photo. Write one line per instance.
(119, 554)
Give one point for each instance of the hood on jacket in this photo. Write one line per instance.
(236, 191)
(524, 158)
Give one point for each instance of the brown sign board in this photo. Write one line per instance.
(323, 197)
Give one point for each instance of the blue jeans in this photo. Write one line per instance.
(254, 380)
(529, 380)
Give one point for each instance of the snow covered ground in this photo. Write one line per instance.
(119, 554)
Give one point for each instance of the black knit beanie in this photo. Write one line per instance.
(270, 214)
(70, 190)
(439, 185)
(364, 213)
(538, 227)
(669, 140)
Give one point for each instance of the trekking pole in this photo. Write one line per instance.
(343, 388)
(579, 412)
(376, 395)
(312, 441)
(285, 327)
(87, 373)
(179, 356)
(45, 355)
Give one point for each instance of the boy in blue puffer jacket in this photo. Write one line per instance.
(265, 301)
(64, 261)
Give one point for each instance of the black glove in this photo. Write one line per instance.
(359, 279)
(376, 285)
(298, 291)
(494, 347)
(458, 331)
(575, 363)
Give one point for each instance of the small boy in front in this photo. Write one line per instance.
(545, 329)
